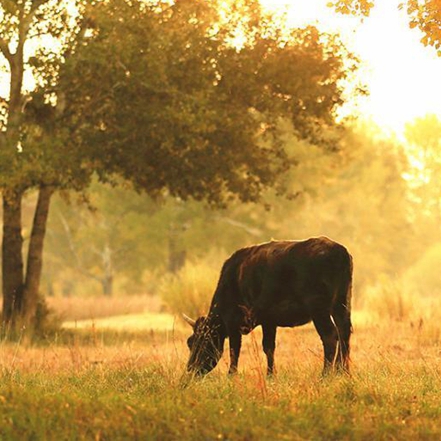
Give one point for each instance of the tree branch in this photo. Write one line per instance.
(4, 48)
(253, 231)
(36, 4)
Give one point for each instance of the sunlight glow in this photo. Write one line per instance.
(401, 74)
(418, 174)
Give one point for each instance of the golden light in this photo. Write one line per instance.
(401, 74)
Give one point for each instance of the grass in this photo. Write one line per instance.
(83, 308)
(108, 383)
(135, 322)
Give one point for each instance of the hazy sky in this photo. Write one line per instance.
(403, 76)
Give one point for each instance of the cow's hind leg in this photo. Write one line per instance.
(269, 345)
(342, 319)
(329, 336)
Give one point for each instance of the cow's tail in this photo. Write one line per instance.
(341, 313)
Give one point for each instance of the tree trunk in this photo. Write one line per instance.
(107, 280)
(107, 284)
(176, 256)
(12, 259)
(35, 257)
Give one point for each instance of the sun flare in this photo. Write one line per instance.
(402, 75)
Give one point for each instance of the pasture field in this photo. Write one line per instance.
(100, 382)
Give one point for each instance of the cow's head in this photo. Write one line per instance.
(206, 345)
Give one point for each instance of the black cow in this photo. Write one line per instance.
(278, 283)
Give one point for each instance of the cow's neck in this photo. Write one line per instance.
(215, 318)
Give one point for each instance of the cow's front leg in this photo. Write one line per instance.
(269, 345)
(235, 345)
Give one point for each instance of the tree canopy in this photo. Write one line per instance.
(176, 107)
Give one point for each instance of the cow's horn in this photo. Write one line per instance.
(189, 320)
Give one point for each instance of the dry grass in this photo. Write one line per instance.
(131, 385)
(83, 308)
(374, 341)
(389, 346)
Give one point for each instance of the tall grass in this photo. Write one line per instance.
(190, 290)
(134, 386)
(138, 391)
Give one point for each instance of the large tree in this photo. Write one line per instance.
(175, 106)
(172, 97)
(34, 35)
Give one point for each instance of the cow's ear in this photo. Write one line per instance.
(189, 320)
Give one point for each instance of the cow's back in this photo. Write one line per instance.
(276, 280)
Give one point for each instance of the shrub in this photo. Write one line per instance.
(191, 289)
(389, 299)
(47, 321)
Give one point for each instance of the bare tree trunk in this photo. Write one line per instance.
(107, 285)
(107, 279)
(35, 257)
(176, 256)
(12, 259)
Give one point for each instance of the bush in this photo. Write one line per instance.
(389, 299)
(190, 290)
(424, 277)
(396, 299)
(47, 321)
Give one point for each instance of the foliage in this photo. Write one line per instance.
(143, 236)
(47, 28)
(424, 142)
(355, 7)
(191, 289)
(362, 204)
(427, 17)
(358, 197)
(47, 322)
(208, 129)
(423, 278)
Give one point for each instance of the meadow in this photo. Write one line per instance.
(94, 381)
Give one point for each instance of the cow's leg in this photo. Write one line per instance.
(269, 345)
(328, 334)
(342, 319)
(235, 345)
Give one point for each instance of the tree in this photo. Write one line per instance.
(28, 154)
(146, 238)
(424, 176)
(211, 106)
(425, 15)
(99, 243)
(174, 107)
(364, 205)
